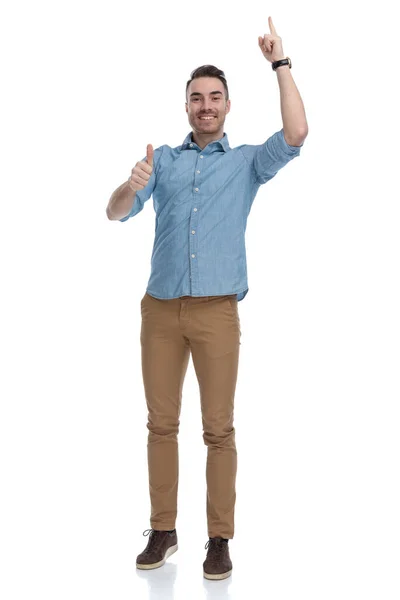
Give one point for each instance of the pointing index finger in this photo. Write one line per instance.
(271, 26)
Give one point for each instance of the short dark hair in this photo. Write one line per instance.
(209, 71)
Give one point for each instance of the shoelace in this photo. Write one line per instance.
(154, 540)
(218, 545)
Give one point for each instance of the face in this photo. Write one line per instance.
(206, 98)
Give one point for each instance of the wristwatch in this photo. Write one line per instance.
(279, 63)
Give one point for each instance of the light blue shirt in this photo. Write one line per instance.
(202, 198)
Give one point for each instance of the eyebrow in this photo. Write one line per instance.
(211, 93)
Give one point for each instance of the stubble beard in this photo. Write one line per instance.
(207, 128)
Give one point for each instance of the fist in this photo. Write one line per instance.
(142, 171)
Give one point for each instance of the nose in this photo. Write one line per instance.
(206, 105)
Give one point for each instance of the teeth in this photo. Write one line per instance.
(206, 118)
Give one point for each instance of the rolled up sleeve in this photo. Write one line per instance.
(268, 158)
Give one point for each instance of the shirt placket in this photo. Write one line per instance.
(193, 225)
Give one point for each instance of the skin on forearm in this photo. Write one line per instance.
(295, 125)
(121, 202)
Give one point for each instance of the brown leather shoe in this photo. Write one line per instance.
(160, 546)
(218, 564)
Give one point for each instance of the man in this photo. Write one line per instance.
(202, 191)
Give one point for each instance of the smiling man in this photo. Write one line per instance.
(207, 105)
(202, 191)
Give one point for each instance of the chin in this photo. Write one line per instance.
(214, 128)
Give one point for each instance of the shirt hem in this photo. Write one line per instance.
(200, 296)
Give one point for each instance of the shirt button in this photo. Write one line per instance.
(195, 209)
(201, 156)
(193, 231)
(191, 145)
(193, 255)
(196, 189)
(197, 171)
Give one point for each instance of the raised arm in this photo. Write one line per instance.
(295, 127)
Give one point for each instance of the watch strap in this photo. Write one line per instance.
(283, 61)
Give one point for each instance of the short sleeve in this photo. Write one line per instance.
(268, 158)
(143, 195)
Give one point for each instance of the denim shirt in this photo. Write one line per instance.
(202, 198)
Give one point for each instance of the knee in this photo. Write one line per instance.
(219, 438)
(163, 427)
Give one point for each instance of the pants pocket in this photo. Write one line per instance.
(234, 305)
(233, 302)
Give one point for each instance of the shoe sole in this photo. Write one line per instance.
(217, 575)
(156, 565)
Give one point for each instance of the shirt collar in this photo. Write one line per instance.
(222, 143)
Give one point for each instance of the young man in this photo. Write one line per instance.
(202, 191)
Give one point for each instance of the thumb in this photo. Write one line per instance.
(150, 154)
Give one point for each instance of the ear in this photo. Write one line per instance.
(186, 106)
(228, 107)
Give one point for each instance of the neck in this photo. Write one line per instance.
(202, 139)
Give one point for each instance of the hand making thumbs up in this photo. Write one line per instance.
(142, 171)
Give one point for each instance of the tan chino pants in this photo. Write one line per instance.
(208, 328)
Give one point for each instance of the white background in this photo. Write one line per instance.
(86, 86)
